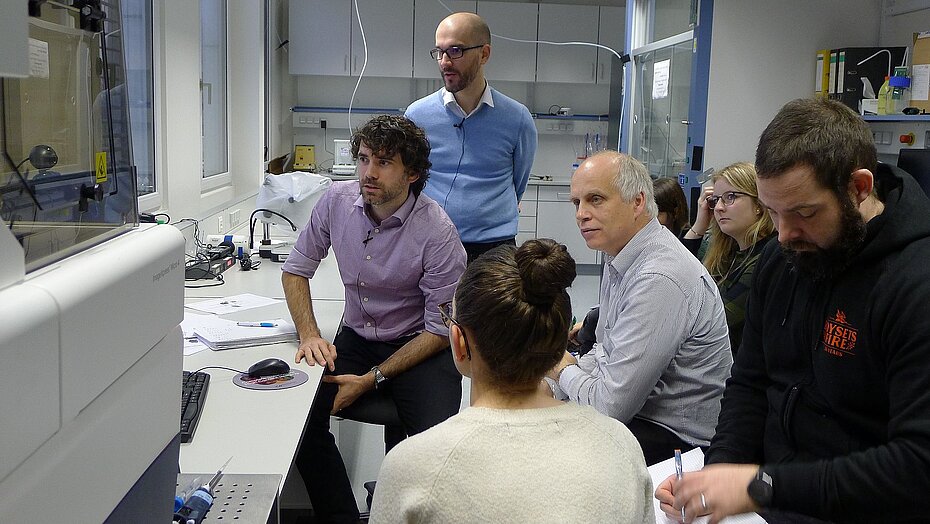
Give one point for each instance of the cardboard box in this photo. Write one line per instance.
(920, 71)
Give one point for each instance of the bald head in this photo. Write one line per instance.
(467, 27)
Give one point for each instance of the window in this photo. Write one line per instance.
(140, 81)
(213, 92)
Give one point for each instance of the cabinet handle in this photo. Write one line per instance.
(593, 71)
(600, 68)
(563, 196)
(345, 63)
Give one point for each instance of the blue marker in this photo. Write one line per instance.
(256, 324)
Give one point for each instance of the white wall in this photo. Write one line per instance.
(763, 55)
(899, 29)
(179, 86)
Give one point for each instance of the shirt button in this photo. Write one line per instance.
(365, 299)
(361, 284)
(368, 257)
(377, 230)
(367, 324)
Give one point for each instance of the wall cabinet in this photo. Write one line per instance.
(611, 33)
(322, 43)
(318, 32)
(570, 63)
(389, 33)
(512, 61)
(546, 211)
(427, 15)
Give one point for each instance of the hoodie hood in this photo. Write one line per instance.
(906, 217)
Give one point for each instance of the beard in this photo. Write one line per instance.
(465, 78)
(826, 263)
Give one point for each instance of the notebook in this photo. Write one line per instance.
(226, 334)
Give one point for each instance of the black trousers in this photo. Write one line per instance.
(425, 395)
(657, 442)
(475, 249)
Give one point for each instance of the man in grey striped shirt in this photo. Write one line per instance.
(663, 352)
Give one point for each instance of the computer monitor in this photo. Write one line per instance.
(917, 163)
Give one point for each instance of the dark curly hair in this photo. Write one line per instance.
(514, 304)
(387, 135)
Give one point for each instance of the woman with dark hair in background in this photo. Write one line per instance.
(517, 454)
(673, 208)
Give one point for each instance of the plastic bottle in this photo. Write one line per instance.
(900, 91)
(884, 97)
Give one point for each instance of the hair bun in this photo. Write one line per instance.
(546, 269)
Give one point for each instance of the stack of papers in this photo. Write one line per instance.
(222, 334)
(690, 461)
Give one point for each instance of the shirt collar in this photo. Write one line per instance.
(397, 218)
(634, 248)
(448, 100)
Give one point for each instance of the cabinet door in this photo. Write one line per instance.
(611, 33)
(556, 220)
(318, 31)
(426, 17)
(514, 61)
(389, 34)
(571, 63)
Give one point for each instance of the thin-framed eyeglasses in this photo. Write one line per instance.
(454, 53)
(728, 198)
(445, 312)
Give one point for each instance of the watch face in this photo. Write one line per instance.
(760, 490)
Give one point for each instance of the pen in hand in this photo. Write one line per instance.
(256, 324)
(679, 474)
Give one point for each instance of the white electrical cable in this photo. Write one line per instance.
(364, 64)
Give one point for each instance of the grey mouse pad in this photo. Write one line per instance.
(291, 379)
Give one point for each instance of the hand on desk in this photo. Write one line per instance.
(317, 351)
(723, 487)
(350, 388)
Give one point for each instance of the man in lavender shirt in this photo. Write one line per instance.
(399, 258)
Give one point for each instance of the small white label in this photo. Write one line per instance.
(920, 83)
(660, 79)
(38, 58)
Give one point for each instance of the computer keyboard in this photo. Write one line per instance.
(193, 395)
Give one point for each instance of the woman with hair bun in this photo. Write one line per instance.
(516, 454)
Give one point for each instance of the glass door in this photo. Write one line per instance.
(659, 126)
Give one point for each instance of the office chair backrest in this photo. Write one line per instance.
(917, 164)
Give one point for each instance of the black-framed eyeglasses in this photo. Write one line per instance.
(728, 198)
(445, 312)
(454, 53)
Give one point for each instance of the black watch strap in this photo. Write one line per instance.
(761, 490)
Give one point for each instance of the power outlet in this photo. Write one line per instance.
(234, 218)
(219, 224)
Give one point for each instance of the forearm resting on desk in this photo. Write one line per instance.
(312, 346)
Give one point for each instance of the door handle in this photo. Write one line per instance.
(686, 122)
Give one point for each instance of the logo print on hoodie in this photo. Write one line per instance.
(839, 338)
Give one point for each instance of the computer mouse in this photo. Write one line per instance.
(268, 367)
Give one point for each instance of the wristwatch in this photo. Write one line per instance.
(761, 490)
(379, 378)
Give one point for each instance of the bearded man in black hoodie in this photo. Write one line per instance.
(827, 413)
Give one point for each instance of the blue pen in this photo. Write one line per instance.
(256, 324)
(679, 474)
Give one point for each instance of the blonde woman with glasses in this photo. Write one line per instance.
(739, 228)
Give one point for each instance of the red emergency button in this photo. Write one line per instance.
(907, 139)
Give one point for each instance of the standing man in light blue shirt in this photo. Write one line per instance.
(663, 352)
(483, 142)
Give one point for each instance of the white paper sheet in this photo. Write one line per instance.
(920, 82)
(690, 461)
(660, 79)
(222, 306)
